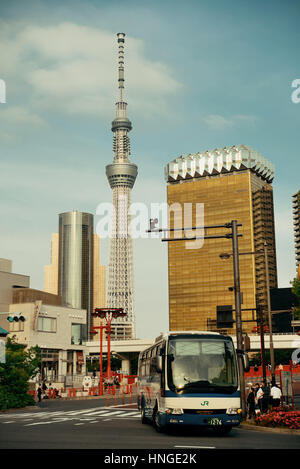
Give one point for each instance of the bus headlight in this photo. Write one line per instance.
(233, 411)
(174, 411)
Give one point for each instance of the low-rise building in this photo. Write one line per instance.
(59, 331)
(9, 282)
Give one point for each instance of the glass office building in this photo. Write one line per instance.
(75, 261)
(232, 184)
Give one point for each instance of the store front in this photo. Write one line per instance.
(49, 364)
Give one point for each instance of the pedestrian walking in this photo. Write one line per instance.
(44, 386)
(39, 393)
(116, 382)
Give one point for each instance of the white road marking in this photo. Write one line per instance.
(201, 447)
(93, 415)
(38, 423)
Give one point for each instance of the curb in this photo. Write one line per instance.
(260, 428)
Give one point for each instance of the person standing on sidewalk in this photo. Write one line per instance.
(251, 403)
(259, 396)
(266, 398)
(276, 396)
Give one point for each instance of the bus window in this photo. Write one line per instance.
(153, 362)
(199, 363)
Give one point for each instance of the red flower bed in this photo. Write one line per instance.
(278, 418)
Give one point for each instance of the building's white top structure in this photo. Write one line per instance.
(219, 161)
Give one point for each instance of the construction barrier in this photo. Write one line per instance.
(117, 393)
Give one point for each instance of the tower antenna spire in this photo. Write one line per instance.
(121, 175)
(121, 41)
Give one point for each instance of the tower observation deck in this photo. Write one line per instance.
(121, 175)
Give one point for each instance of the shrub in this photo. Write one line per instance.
(279, 418)
(20, 366)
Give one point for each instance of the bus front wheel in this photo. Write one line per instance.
(143, 417)
(158, 427)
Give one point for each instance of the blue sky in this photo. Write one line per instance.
(199, 75)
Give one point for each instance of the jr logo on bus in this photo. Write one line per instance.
(204, 403)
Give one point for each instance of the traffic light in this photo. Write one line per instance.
(16, 317)
(224, 317)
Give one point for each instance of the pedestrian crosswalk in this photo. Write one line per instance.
(77, 417)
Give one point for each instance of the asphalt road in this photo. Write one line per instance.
(90, 424)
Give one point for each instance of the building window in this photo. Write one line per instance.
(78, 334)
(46, 324)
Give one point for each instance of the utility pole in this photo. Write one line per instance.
(238, 313)
(269, 313)
(260, 322)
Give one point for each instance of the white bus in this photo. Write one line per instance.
(190, 378)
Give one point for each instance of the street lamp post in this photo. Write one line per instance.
(108, 314)
(262, 344)
(93, 331)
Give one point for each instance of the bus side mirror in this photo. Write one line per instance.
(159, 364)
(245, 359)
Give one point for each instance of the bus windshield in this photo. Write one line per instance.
(201, 364)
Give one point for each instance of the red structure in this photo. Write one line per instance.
(108, 314)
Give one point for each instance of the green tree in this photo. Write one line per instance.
(21, 365)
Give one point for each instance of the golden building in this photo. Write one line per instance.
(51, 271)
(232, 184)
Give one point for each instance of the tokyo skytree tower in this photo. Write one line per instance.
(121, 175)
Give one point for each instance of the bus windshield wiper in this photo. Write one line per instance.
(212, 386)
(198, 383)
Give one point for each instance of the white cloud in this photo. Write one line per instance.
(16, 122)
(218, 122)
(73, 68)
(18, 115)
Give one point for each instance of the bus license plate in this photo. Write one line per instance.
(214, 421)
